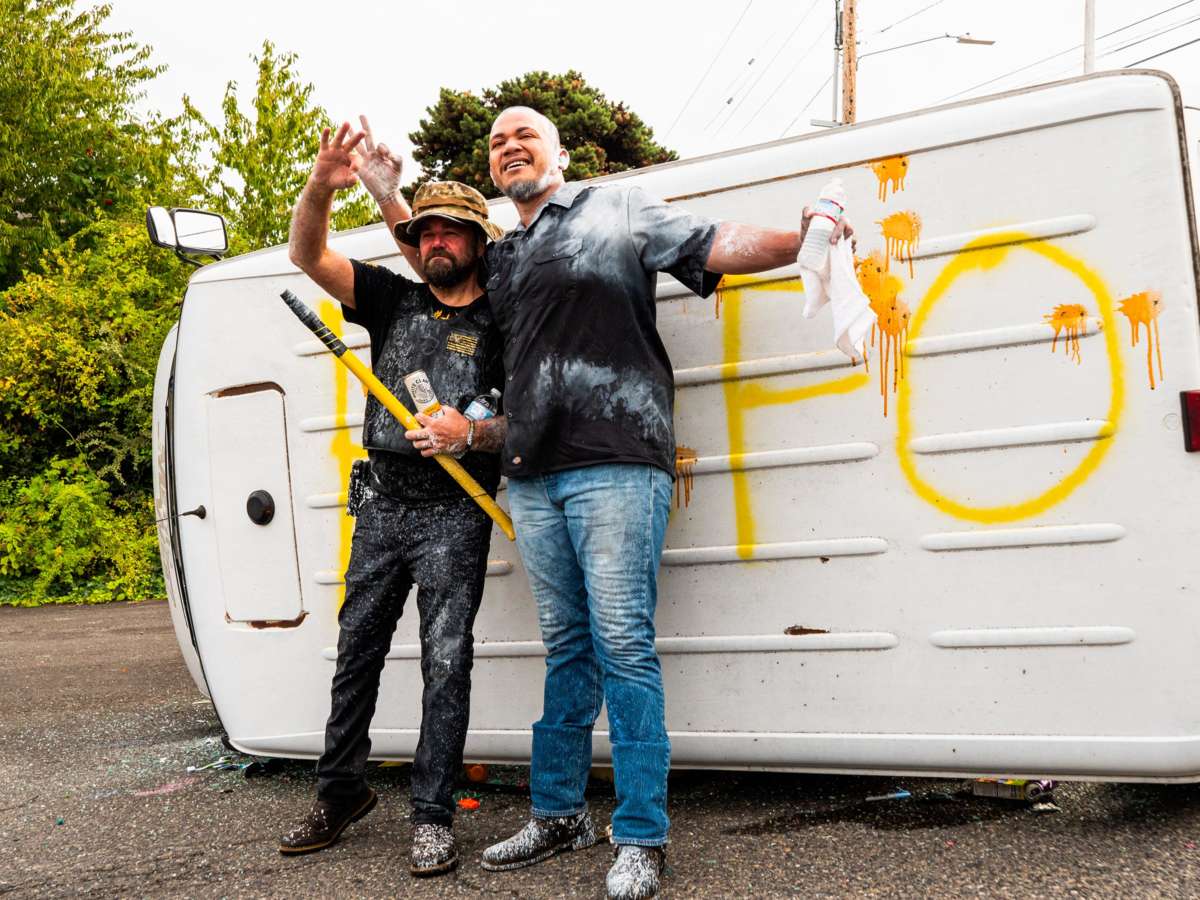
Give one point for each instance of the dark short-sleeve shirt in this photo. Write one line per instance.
(460, 350)
(589, 380)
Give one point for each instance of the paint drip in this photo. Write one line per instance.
(893, 337)
(890, 172)
(1143, 309)
(685, 463)
(1072, 319)
(881, 286)
(902, 232)
(718, 295)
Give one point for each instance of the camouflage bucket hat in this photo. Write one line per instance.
(450, 200)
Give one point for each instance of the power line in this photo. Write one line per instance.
(692, 95)
(791, 72)
(910, 16)
(815, 95)
(1059, 72)
(767, 68)
(743, 74)
(1063, 53)
(1164, 53)
(1151, 37)
(732, 90)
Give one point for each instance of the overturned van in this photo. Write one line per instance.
(971, 557)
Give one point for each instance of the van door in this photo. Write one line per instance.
(252, 504)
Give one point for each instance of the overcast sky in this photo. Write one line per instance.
(388, 60)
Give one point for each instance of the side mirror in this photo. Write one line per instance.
(187, 231)
(200, 232)
(161, 228)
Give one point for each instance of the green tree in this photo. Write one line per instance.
(79, 341)
(602, 136)
(86, 301)
(71, 148)
(259, 166)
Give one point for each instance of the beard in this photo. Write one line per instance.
(443, 271)
(527, 189)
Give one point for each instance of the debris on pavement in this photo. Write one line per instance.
(169, 788)
(219, 764)
(1012, 788)
(899, 794)
(251, 767)
(1045, 806)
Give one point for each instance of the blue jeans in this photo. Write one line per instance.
(591, 539)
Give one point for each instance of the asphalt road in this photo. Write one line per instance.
(99, 721)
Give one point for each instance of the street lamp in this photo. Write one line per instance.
(957, 38)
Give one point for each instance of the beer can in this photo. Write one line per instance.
(421, 391)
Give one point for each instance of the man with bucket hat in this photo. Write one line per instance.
(414, 523)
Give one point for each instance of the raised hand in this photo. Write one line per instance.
(337, 164)
(379, 169)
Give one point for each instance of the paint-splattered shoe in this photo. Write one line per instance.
(433, 850)
(323, 824)
(540, 839)
(635, 872)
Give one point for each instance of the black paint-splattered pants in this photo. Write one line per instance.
(443, 549)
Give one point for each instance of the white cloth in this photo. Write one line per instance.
(837, 284)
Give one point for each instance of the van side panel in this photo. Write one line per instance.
(992, 576)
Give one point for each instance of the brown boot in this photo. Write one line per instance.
(324, 822)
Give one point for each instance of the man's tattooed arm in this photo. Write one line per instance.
(489, 434)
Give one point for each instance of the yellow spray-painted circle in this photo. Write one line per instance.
(979, 255)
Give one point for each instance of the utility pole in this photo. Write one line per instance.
(837, 56)
(849, 62)
(1089, 36)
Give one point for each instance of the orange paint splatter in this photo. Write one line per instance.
(902, 232)
(717, 296)
(1071, 318)
(1143, 309)
(890, 172)
(685, 462)
(893, 335)
(881, 286)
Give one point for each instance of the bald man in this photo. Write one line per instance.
(590, 458)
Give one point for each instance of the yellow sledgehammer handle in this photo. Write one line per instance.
(396, 408)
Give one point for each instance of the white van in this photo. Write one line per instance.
(994, 577)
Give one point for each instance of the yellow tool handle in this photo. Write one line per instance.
(451, 465)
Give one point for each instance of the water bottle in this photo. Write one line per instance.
(826, 214)
(484, 406)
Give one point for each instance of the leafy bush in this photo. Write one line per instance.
(85, 300)
(63, 539)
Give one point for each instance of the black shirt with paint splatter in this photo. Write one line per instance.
(589, 380)
(458, 347)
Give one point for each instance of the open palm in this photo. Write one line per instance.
(337, 164)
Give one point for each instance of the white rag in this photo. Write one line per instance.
(837, 284)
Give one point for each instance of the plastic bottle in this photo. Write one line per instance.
(484, 406)
(826, 214)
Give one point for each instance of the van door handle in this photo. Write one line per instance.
(260, 507)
